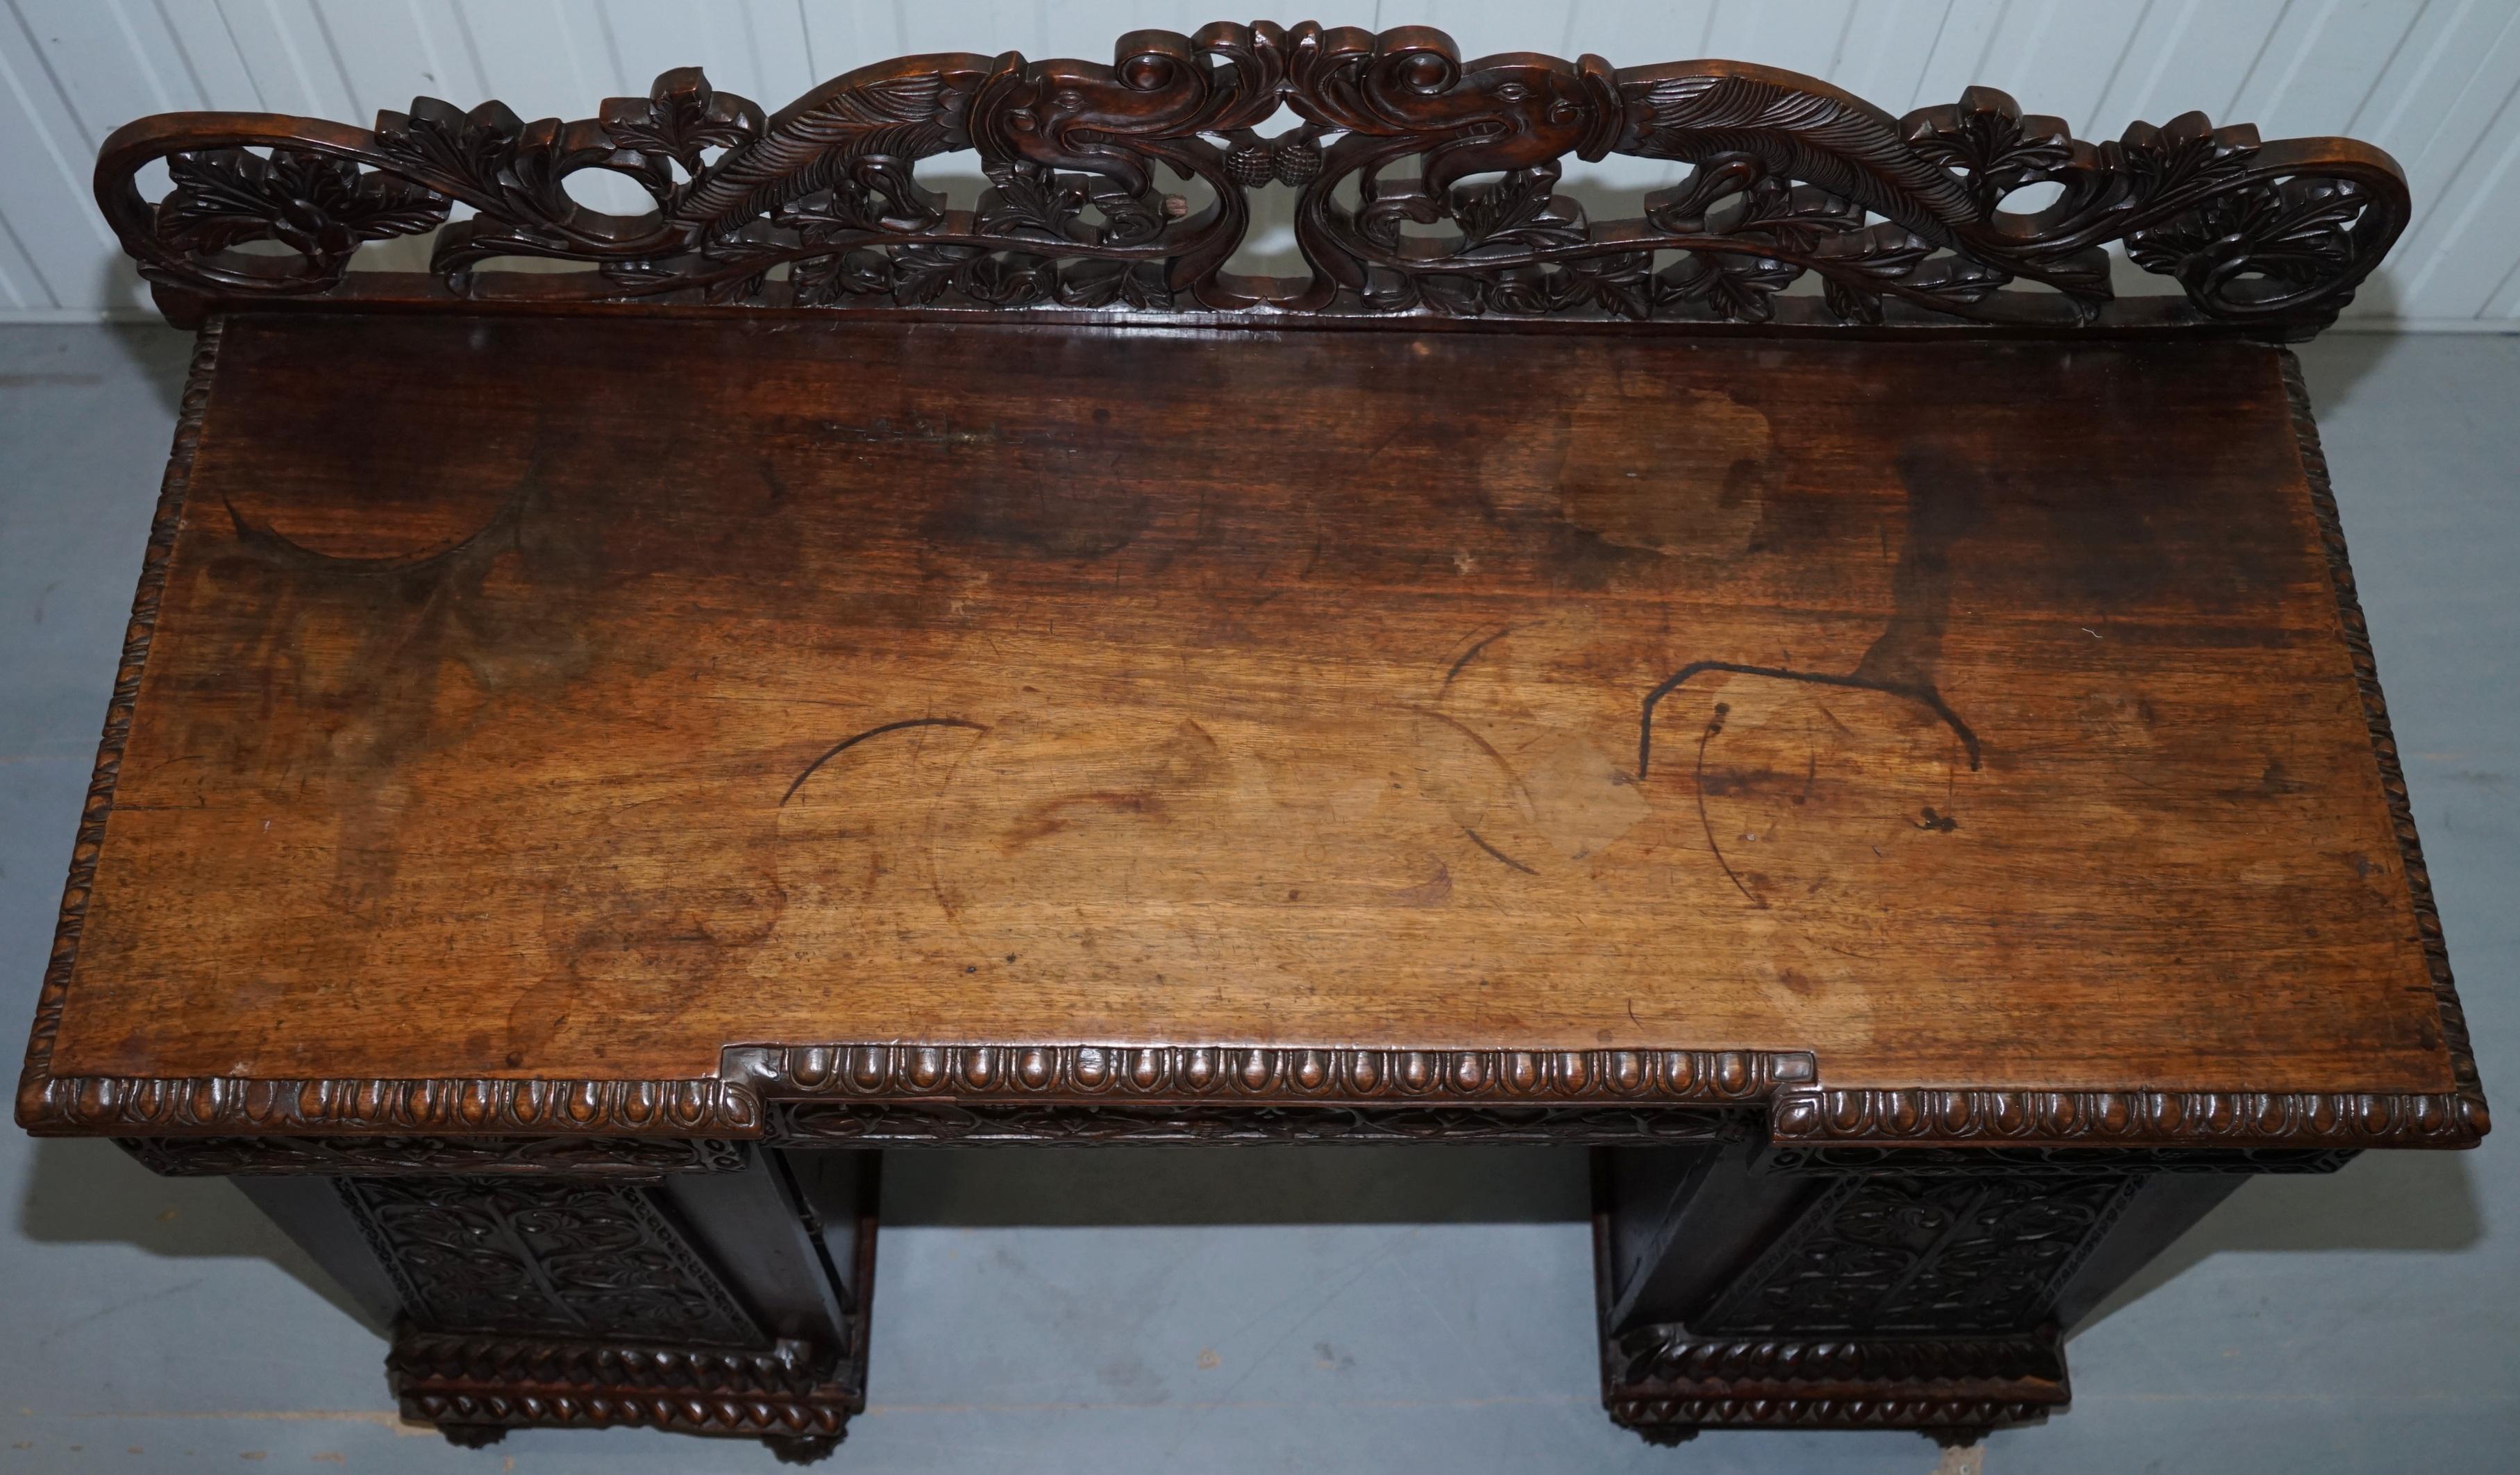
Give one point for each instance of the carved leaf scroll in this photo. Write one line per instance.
(1424, 184)
(321, 207)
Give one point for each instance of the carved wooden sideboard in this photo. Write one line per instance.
(1801, 691)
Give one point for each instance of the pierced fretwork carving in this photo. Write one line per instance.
(553, 1258)
(1882, 1254)
(1929, 1301)
(547, 1304)
(1424, 184)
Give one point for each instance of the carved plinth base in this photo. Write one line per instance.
(721, 1293)
(1667, 1384)
(472, 1386)
(1738, 1290)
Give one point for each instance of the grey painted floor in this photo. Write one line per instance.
(1337, 1309)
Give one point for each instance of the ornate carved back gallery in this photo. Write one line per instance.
(1425, 186)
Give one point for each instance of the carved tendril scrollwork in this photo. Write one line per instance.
(1424, 184)
(1888, 1254)
(544, 1257)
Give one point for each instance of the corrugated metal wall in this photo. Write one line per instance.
(2435, 82)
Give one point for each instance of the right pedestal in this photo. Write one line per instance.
(1841, 1288)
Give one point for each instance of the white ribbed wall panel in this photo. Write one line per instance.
(2435, 82)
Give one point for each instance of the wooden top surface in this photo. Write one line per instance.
(570, 698)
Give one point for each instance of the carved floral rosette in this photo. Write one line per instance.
(1424, 185)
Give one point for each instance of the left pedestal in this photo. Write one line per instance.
(715, 1288)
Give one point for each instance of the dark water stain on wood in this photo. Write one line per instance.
(1945, 501)
(1041, 519)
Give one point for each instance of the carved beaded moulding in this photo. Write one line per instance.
(1672, 1419)
(1667, 1384)
(2100, 1118)
(1672, 1355)
(1424, 185)
(739, 1416)
(873, 1094)
(788, 1368)
(482, 1385)
(222, 1105)
(2459, 1118)
(1115, 1073)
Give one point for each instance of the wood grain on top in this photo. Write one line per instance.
(574, 697)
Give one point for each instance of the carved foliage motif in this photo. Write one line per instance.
(792, 1393)
(1423, 183)
(558, 1258)
(321, 207)
(1879, 1253)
